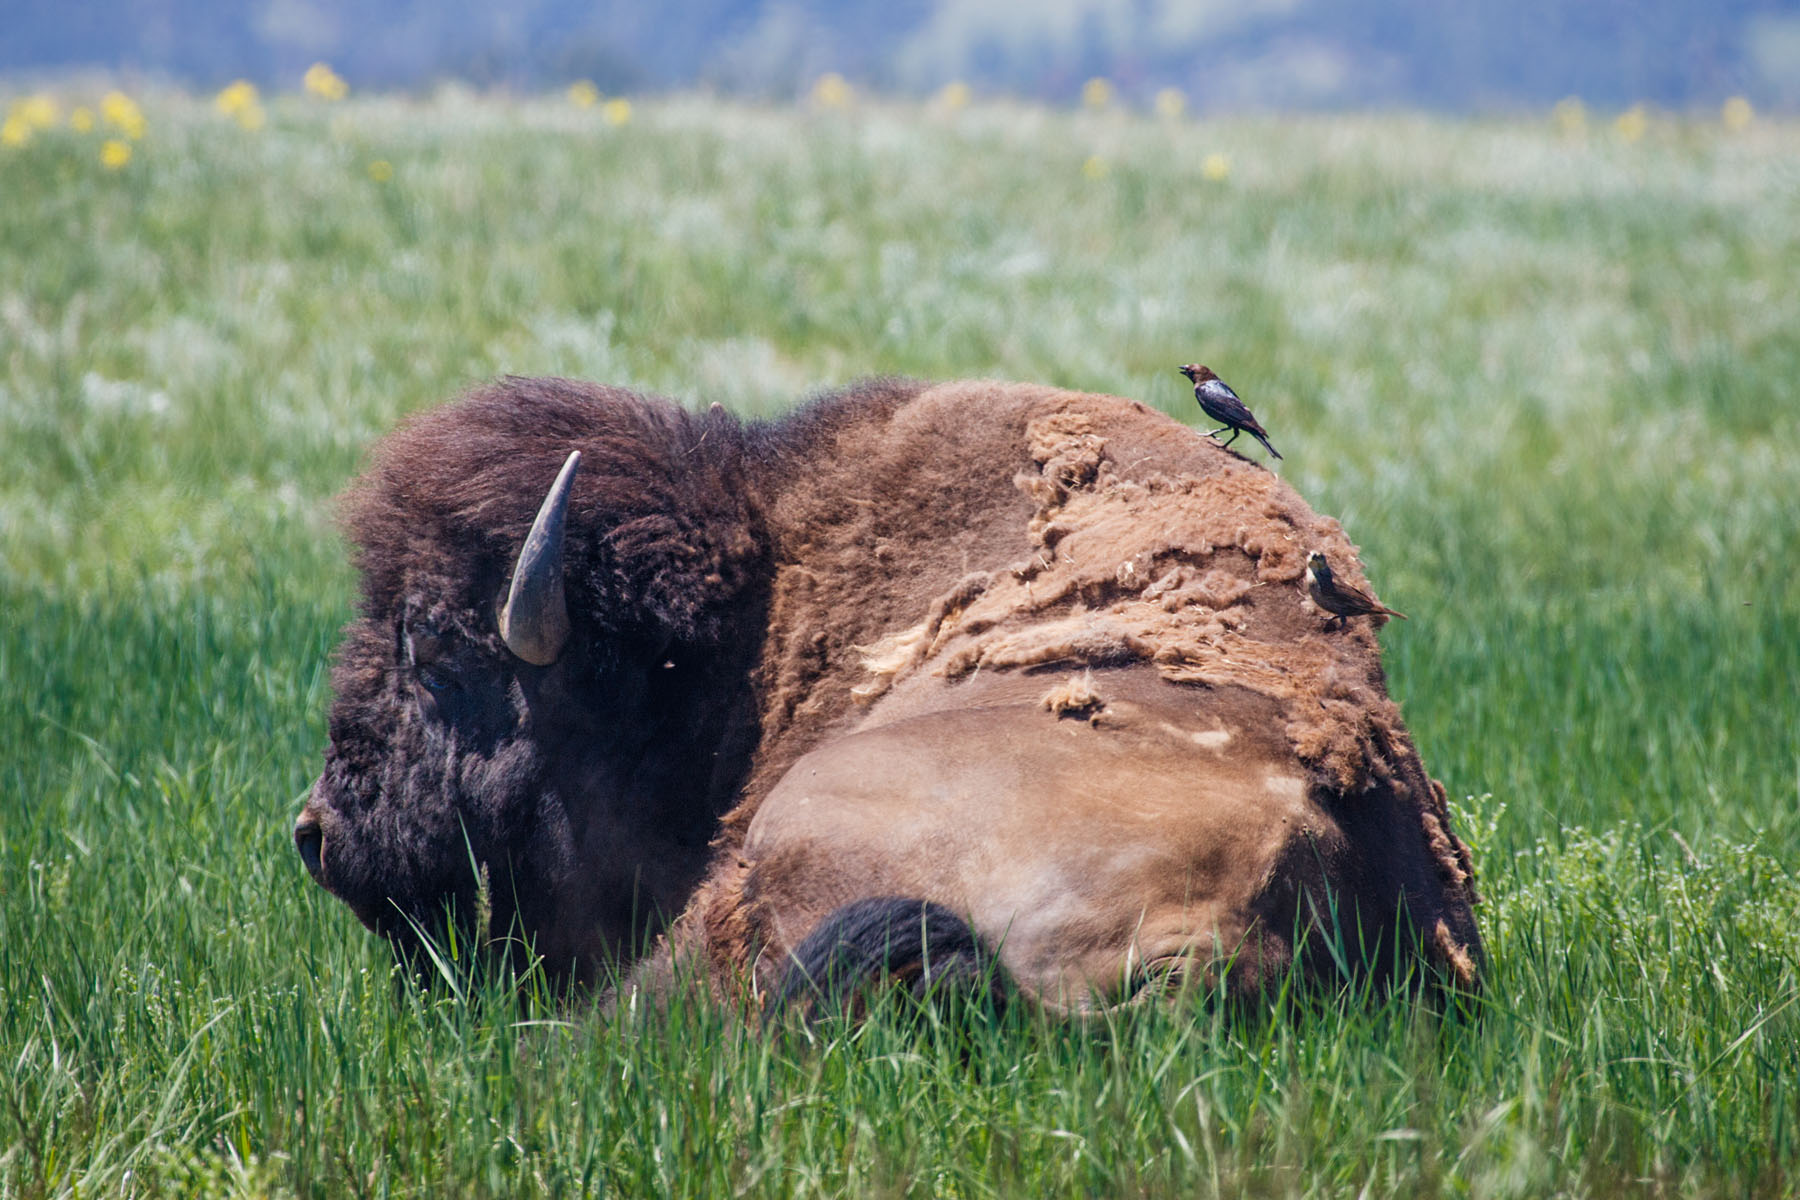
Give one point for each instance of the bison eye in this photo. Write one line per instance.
(436, 685)
(438, 680)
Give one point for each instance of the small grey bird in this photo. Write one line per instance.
(1340, 599)
(1219, 402)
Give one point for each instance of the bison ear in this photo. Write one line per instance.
(534, 619)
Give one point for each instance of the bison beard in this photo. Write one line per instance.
(1026, 663)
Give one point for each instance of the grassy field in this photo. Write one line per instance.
(1550, 383)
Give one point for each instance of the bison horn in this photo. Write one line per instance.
(534, 621)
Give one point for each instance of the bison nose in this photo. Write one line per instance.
(309, 840)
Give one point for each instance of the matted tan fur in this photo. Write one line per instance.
(988, 560)
(1161, 568)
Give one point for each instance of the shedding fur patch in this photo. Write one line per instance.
(1074, 697)
(1453, 954)
(1196, 573)
(890, 657)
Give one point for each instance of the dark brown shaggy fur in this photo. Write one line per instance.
(587, 791)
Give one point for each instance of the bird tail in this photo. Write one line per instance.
(1393, 612)
(1265, 441)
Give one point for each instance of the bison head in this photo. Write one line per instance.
(542, 706)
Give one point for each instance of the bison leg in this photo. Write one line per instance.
(913, 944)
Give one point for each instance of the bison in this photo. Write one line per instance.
(641, 685)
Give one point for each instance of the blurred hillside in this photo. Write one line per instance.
(1477, 55)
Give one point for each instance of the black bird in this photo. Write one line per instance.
(1219, 402)
(1341, 600)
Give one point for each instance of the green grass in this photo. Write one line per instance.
(1551, 386)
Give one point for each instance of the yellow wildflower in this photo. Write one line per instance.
(1570, 115)
(1737, 114)
(955, 95)
(38, 111)
(1632, 123)
(1096, 93)
(616, 111)
(1095, 168)
(81, 119)
(324, 82)
(1171, 103)
(381, 170)
(583, 94)
(114, 153)
(235, 97)
(832, 91)
(1215, 167)
(122, 113)
(14, 131)
(239, 101)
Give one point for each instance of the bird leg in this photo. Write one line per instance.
(1233, 437)
(1216, 432)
